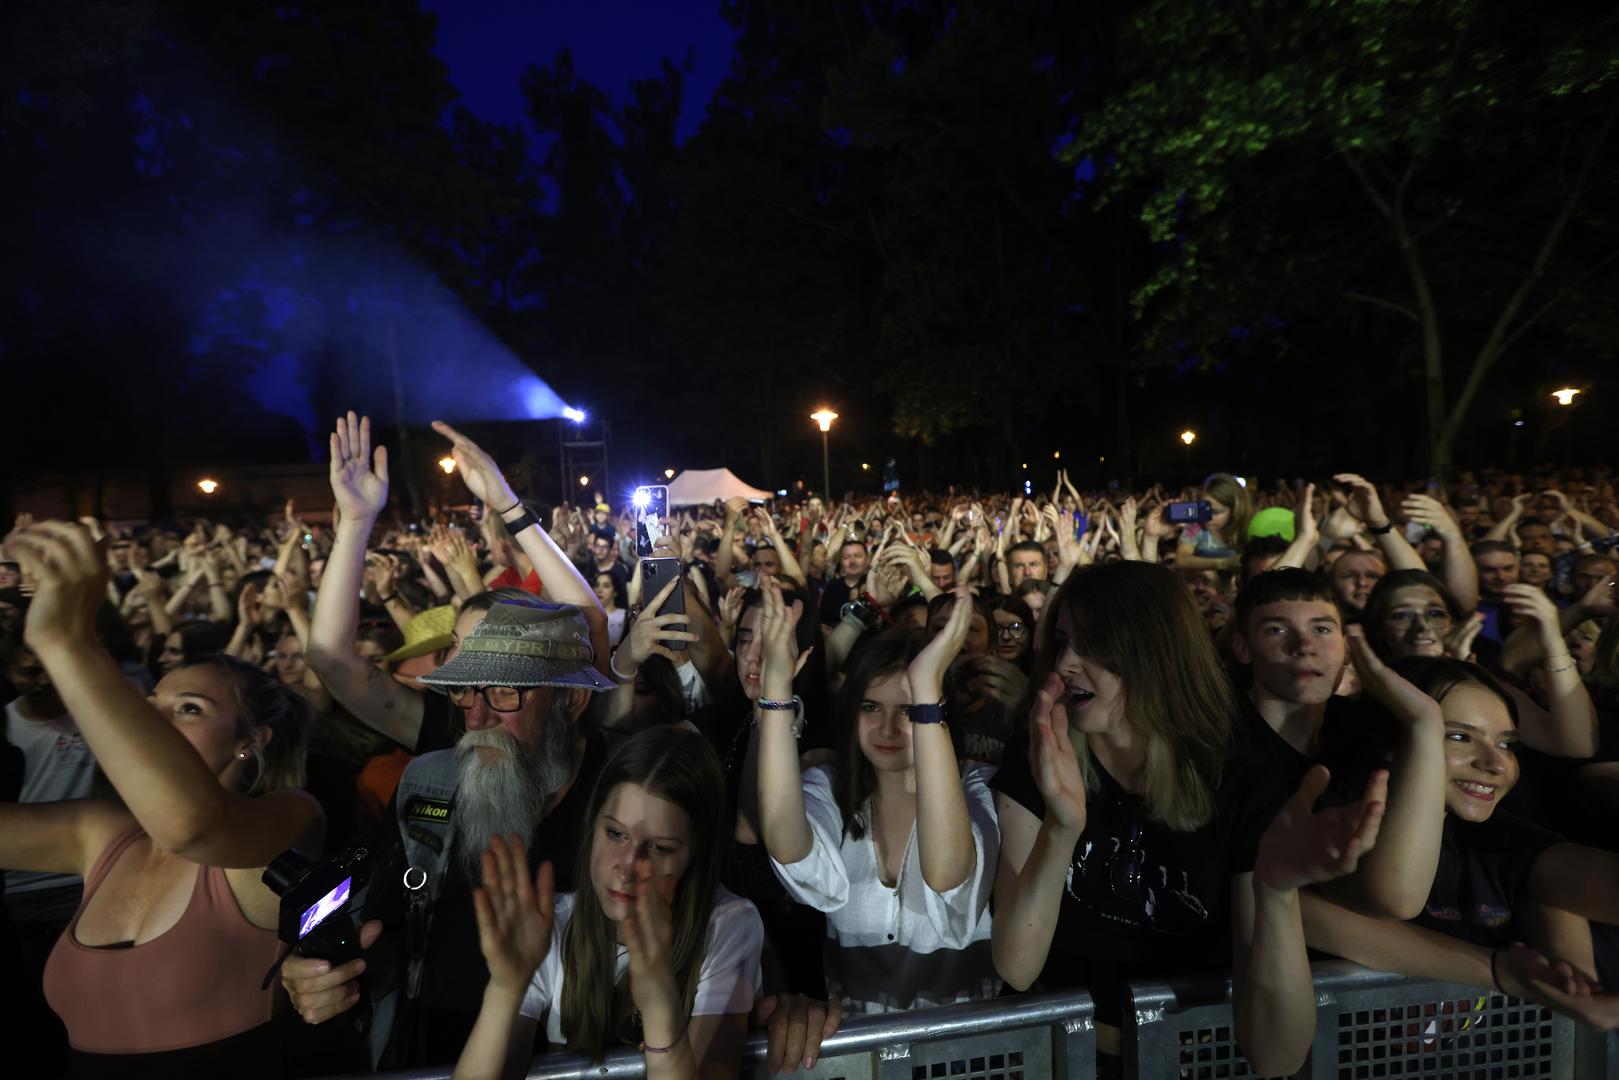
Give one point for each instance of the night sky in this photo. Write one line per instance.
(489, 44)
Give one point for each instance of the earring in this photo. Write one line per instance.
(241, 755)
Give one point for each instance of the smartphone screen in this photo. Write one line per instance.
(651, 517)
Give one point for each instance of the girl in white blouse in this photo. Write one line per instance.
(893, 844)
(652, 952)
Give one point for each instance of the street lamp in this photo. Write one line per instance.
(824, 417)
(1188, 437)
(207, 486)
(584, 481)
(1566, 395)
(447, 464)
(668, 474)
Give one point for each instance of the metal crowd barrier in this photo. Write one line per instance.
(1369, 1025)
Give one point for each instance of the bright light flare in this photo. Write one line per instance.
(1566, 395)
(576, 415)
(584, 481)
(447, 464)
(207, 486)
(641, 499)
(824, 417)
(1188, 437)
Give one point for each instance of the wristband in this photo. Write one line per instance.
(926, 714)
(665, 1049)
(1567, 666)
(612, 665)
(776, 706)
(1494, 978)
(514, 527)
(1380, 530)
(509, 509)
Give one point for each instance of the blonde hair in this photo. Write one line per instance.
(1226, 488)
(1137, 621)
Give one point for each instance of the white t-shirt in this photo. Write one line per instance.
(57, 765)
(729, 982)
(900, 946)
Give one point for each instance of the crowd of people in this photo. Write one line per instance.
(856, 756)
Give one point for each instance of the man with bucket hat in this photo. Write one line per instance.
(520, 671)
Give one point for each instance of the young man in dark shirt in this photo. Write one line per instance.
(1290, 631)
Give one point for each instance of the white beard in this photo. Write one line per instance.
(505, 793)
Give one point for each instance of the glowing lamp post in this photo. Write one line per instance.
(1188, 437)
(1566, 395)
(207, 486)
(584, 481)
(447, 464)
(823, 417)
(668, 474)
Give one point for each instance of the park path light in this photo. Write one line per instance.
(447, 463)
(1566, 395)
(207, 485)
(823, 418)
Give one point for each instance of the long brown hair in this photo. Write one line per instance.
(262, 701)
(679, 765)
(888, 653)
(1139, 622)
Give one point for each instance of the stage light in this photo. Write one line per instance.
(576, 415)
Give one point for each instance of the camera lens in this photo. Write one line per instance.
(285, 871)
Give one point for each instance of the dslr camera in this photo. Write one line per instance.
(321, 908)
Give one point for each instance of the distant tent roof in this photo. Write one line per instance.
(695, 487)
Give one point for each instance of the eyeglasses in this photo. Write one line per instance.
(502, 699)
(1011, 631)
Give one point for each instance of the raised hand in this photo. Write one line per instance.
(249, 606)
(1386, 686)
(654, 635)
(1459, 643)
(648, 932)
(1051, 758)
(1531, 604)
(514, 917)
(69, 570)
(731, 611)
(1364, 501)
(1602, 598)
(359, 476)
(927, 670)
(1303, 847)
(478, 470)
(778, 632)
(1429, 511)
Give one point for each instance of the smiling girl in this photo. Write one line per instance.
(650, 950)
(893, 843)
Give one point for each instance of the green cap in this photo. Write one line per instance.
(1273, 521)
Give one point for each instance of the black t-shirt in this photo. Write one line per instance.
(833, 597)
(1172, 917)
(455, 974)
(1356, 737)
(1482, 877)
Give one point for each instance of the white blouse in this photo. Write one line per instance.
(900, 946)
(729, 982)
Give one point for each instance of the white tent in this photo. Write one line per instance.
(696, 487)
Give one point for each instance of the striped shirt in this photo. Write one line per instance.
(901, 946)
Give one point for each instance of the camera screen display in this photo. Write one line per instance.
(326, 906)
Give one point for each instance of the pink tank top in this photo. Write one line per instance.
(196, 983)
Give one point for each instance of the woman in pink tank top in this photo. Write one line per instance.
(161, 970)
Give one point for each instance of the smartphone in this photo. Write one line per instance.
(1181, 513)
(655, 574)
(1081, 523)
(651, 517)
